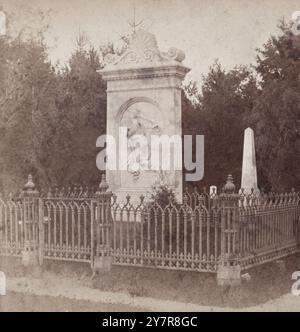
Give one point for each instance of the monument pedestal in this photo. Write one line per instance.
(30, 257)
(143, 96)
(229, 275)
(102, 264)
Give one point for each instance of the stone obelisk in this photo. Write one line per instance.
(249, 173)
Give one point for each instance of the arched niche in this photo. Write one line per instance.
(138, 101)
(141, 116)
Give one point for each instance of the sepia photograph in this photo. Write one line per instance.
(149, 159)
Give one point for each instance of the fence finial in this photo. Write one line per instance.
(229, 187)
(103, 186)
(29, 186)
(185, 199)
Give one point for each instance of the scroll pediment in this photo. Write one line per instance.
(143, 49)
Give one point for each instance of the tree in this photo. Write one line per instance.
(26, 99)
(81, 118)
(220, 113)
(26, 108)
(276, 114)
(50, 118)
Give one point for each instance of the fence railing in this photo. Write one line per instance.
(269, 231)
(171, 236)
(206, 231)
(12, 239)
(67, 225)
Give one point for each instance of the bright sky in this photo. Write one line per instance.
(229, 30)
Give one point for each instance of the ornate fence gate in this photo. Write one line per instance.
(207, 233)
(67, 228)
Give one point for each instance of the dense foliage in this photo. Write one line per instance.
(48, 117)
(266, 98)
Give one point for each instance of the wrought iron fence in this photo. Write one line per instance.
(173, 236)
(204, 232)
(67, 224)
(12, 237)
(269, 230)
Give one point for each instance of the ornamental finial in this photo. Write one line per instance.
(29, 189)
(229, 187)
(103, 186)
(29, 186)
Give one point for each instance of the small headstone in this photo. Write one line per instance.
(212, 191)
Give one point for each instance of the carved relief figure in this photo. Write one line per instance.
(139, 149)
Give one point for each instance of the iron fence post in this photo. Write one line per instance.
(30, 200)
(102, 256)
(41, 232)
(229, 270)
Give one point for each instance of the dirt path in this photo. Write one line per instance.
(20, 302)
(67, 294)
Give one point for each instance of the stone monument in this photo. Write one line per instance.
(143, 95)
(249, 173)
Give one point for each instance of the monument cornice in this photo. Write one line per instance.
(172, 70)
